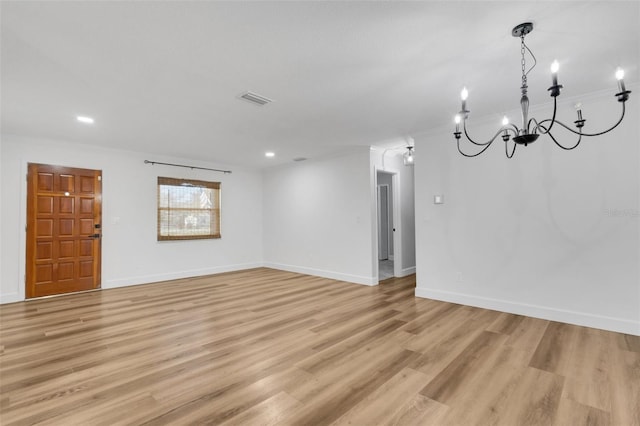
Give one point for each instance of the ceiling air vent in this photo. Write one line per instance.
(299, 159)
(255, 98)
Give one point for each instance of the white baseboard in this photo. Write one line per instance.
(407, 271)
(356, 279)
(571, 317)
(10, 298)
(146, 279)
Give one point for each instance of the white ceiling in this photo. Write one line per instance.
(164, 77)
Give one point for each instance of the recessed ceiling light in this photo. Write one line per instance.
(270, 154)
(85, 120)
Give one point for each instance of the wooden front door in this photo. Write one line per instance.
(64, 219)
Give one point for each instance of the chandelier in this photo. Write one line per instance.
(531, 128)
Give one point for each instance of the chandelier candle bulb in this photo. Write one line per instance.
(457, 133)
(505, 120)
(619, 77)
(464, 95)
(579, 110)
(555, 66)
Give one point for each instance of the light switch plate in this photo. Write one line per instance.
(438, 199)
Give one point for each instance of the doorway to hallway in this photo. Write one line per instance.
(385, 269)
(385, 214)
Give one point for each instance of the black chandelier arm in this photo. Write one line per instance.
(552, 120)
(511, 128)
(464, 125)
(472, 155)
(506, 149)
(608, 130)
(588, 134)
(514, 129)
(548, 132)
(564, 147)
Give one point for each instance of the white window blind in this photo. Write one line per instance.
(188, 209)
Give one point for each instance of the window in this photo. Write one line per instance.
(188, 209)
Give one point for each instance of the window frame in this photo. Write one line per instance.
(214, 211)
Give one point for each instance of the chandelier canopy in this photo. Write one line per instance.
(531, 128)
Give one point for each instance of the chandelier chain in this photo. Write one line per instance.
(522, 61)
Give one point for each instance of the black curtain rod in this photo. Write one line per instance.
(187, 167)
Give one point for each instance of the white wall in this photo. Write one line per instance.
(1, 222)
(550, 233)
(317, 218)
(405, 223)
(130, 252)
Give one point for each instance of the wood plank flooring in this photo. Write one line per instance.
(266, 347)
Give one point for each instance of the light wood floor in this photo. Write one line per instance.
(269, 347)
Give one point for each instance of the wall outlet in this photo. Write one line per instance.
(459, 277)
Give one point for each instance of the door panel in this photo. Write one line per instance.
(64, 212)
